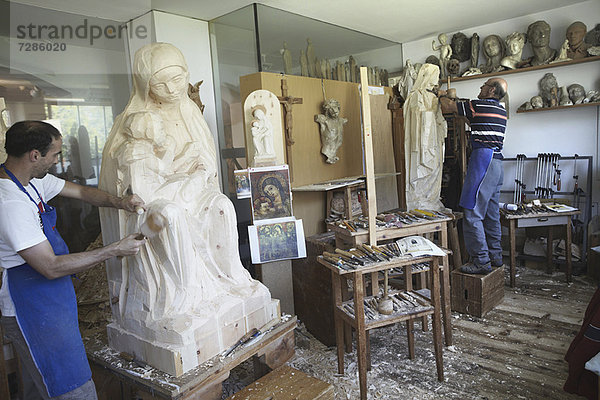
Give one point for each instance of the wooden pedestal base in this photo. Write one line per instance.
(117, 378)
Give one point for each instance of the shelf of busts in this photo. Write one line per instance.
(559, 107)
(525, 69)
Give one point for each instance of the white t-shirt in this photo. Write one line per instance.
(20, 225)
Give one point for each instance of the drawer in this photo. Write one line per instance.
(542, 221)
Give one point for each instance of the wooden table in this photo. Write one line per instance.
(201, 383)
(359, 322)
(345, 239)
(539, 219)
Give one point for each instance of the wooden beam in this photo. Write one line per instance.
(368, 153)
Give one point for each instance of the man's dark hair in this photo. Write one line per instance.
(25, 136)
(498, 90)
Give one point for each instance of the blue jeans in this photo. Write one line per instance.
(481, 225)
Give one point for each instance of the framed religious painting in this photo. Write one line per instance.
(242, 183)
(270, 193)
(276, 241)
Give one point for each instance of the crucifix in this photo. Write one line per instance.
(288, 101)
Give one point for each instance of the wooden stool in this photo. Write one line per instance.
(286, 383)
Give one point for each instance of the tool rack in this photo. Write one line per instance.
(585, 193)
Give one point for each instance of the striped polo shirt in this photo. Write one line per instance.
(488, 123)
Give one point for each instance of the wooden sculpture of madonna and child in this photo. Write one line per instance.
(186, 296)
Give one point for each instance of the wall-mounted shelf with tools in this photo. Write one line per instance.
(559, 107)
(534, 68)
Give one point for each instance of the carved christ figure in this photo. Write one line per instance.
(262, 134)
(332, 129)
(160, 147)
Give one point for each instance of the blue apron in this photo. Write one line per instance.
(47, 314)
(479, 161)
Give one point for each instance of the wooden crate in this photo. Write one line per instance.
(312, 289)
(286, 383)
(477, 294)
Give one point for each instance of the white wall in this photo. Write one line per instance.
(566, 131)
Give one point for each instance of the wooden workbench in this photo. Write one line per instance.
(201, 383)
(539, 219)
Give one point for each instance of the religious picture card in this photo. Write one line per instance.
(271, 195)
(277, 241)
(242, 183)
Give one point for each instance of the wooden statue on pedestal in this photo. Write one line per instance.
(186, 296)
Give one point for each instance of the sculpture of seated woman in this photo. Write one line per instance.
(187, 289)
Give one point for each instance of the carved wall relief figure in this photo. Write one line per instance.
(494, 50)
(576, 35)
(262, 135)
(538, 34)
(549, 90)
(175, 298)
(474, 50)
(425, 129)
(194, 94)
(445, 53)
(461, 47)
(263, 126)
(514, 48)
(286, 54)
(576, 93)
(332, 129)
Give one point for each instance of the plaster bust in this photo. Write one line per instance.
(461, 47)
(576, 93)
(493, 49)
(575, 35)
(538, 34)
(515, 43)
(549, 90)
(332, 129)
(564, 97)
(537, 102)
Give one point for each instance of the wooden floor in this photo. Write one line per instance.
(515, 352)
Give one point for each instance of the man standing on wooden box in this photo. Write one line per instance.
(481, 189)
(37, 299)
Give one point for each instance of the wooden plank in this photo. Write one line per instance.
(383, 147)
(286, 383)
(367, 133)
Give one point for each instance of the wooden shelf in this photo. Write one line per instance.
(534, 68)
(559, 107)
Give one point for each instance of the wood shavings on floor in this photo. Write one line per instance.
(515, 352)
